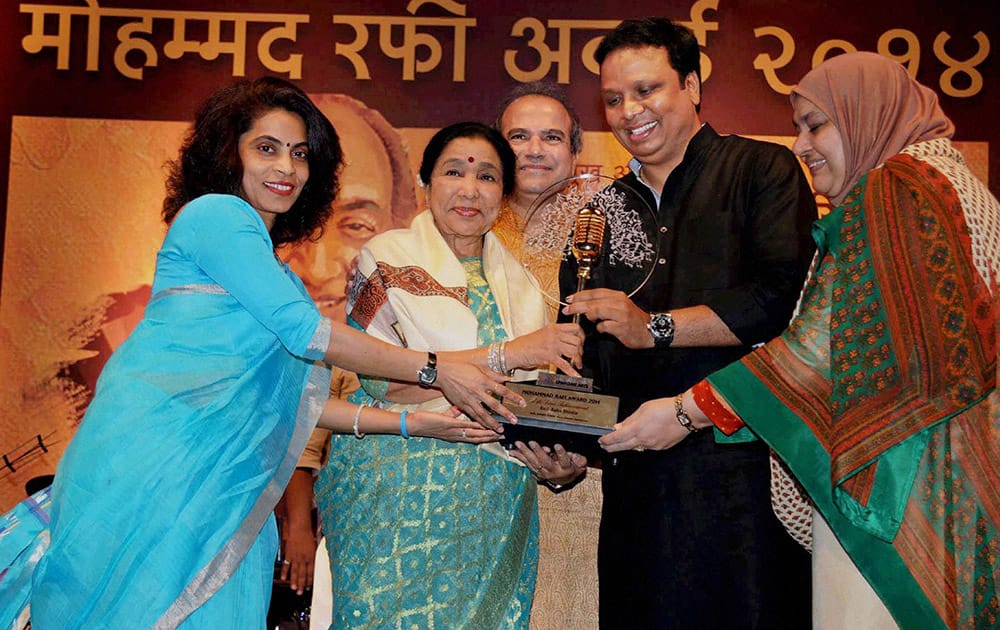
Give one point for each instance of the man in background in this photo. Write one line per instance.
(545, 134)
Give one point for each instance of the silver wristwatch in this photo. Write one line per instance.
(429, 373)
(661, 327)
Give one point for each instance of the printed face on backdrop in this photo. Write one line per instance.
(820, 147)
(275, 157)
(538, 129)
(362, 209)
(649, 109)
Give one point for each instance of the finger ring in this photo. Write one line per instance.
(463, 434)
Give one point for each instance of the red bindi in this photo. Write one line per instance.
(471, 159)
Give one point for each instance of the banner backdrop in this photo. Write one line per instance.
(95, 96)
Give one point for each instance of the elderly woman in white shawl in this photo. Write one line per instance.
(443, 532)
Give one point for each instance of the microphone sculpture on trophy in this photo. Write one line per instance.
(588, 236)
(592, 222)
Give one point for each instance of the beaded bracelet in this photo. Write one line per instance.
(357, 416)
(725, 420)
(402, 424)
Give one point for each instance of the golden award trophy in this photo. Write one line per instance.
(588, 221)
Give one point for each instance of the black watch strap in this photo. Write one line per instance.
(428, 374)
(661, 327)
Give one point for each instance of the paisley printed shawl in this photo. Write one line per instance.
(881, 396)
(411, 290)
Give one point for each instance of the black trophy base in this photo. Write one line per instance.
(549, 434)
(560, 415)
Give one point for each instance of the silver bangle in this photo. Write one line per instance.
(503, 359)
(493, 357)
(357, 416)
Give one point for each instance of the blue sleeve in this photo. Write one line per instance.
(226, 238)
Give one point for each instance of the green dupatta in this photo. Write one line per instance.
(881, 397)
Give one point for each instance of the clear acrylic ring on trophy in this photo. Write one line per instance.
(606, 233)
(555, 231)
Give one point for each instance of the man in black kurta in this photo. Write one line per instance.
(688, 538)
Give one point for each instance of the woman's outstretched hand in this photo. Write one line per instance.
(652, 426)
(560, 345)
(449, 426)
(476, 391)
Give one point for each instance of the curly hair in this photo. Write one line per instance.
(658, 32)
(470, 129)
(209, 160)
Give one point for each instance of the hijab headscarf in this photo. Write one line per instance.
(878, 108)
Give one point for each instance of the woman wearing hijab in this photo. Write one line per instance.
(881, 396)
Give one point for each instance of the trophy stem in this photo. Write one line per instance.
(581, 280)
